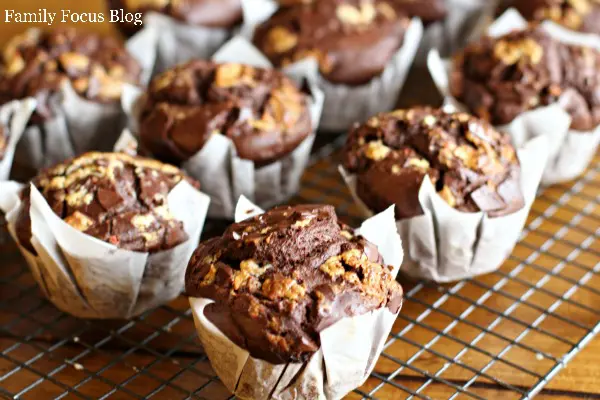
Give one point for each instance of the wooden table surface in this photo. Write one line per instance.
(581, 379)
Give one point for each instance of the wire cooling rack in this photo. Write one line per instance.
(507, 333)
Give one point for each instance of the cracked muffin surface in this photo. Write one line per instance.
(261, 110)
(280, 278)
(578, 15)
(472, 166)
(37, 63)
(500, 78)
(352, 40)
(114, 197)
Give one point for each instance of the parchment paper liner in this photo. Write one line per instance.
(570, 151)
(445, 244)
(223, 174)
(14, 117)
(466, 20)
(349, 348)
(344, 104)
(77, 125)
(89, 278)
(174, 42)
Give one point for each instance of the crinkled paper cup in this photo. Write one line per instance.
(89, 278)
(14, 117)
(345, 105)
(173, 42)
(466, 20)
(77, 125)
(349, 348)
(570, 151)
(225, 176)
(445, 245)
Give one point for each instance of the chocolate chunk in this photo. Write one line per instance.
(260, 110)
(472, 166)
(578, 15)
(352, 40)
(500, 78)
(280, 278)
(37, 64)
(208, 13)
(114, 197)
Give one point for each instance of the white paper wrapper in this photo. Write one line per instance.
(173, 42)
(344, 104)
(570, 151)
(89, 278)
(14, 117)
(466, 20)
(445, 244)
(225, 176)
(349, 348)
(78, 125)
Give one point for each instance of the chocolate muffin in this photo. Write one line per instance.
(500, 78)
(260, 110)
(578, 15)
(428, 10)
(352, 40)
(114, 197)
(472, 166)
(36, 64)
(280, 278)
(3, 141)
(207, 13)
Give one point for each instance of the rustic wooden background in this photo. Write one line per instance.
(581, 379)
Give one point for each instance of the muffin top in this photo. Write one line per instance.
(500, 78)
(36, 64)
(472, 166)
(578, 15)
(260, 110)
(353, 40)
(428, 10)
(280, 278)
(208, 13)
(114, 197)
(3, 141)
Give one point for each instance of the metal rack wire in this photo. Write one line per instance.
(509, 332)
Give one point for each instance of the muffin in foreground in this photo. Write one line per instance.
(472, 166)
(461, 191)
(114, 197)
(500, 78)
(224, 14)
(278, 286)
(123, 226)
(578, 15)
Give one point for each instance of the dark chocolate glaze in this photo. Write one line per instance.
(117, 198)
(208, 13)
(352, 40)
(280, 278)
(261, 110)
(36, 66)
(500, 78)
(472, 166)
